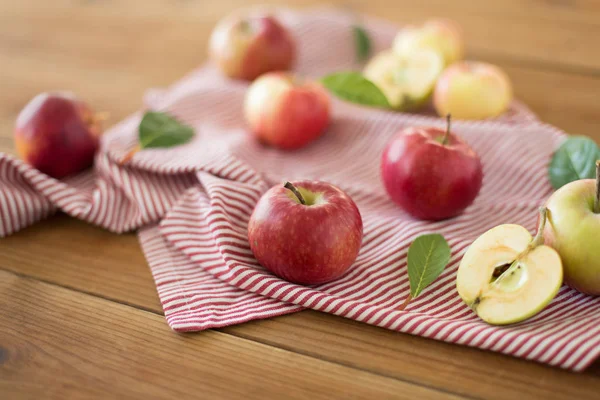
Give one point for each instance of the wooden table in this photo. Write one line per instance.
(79, 314)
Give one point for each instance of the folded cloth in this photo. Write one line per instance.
(193, 203)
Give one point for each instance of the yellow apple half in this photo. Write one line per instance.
(407, 81)
(506, 277)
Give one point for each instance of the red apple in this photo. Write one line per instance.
(431, 173)
(246, 46)
(286, 112)
(58, 134)
(307, 232)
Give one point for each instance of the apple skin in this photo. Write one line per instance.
(427, 179)
(306, 244)
(247, 46)
(439, 34)
(572, 229)
(383, 71)
(472, 90)
(286, 113)
(58, 134)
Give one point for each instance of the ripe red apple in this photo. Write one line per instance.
(432, 174)
(58, 134)
(246, 46)
(286, 112)
(307, 232)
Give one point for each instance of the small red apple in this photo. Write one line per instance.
(286, 112)
(432, 174)
(246, 46)
(58, 134)
(307, 232)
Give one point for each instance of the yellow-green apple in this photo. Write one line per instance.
(441, 35)
(406, 81)
(506, 276)
(245, 46)
(431, 173)
(307, 232)
(472, 90)
(573, 230)
(58, 134)
(286, 112)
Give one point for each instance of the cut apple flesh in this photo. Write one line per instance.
(406, 81)
(502, 295)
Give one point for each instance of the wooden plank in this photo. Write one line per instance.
(57, 343)
(561, 33)
(90, 259)
(117, 271)
(567, 101)
(82, 48)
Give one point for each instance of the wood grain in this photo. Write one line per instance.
(120, 273)
(78, 345)
(78, 255)
(111, 52)
(562, 33)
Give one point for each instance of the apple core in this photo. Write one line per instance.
(507, 276)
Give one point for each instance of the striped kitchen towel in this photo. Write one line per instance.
(193, 203)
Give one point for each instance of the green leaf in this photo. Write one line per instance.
(575, 159)
(428, 255)
(362, 43)
(354, 87)
(159, 129)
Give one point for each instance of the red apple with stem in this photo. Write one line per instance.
(431, 173)
(247, 46)
(58, 134)
(285, 111)
(306, 232)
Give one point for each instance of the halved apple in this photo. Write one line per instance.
(506, 276)
(407, 81)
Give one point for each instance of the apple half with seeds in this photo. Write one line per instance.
(506, 276)
(406, 81)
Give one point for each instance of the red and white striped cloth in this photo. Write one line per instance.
(193, 203)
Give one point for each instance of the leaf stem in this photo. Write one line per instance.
(403, 305)
(290, 186)
(447, 134)
(597, 200)
(129, 155)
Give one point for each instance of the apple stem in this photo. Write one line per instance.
(403, 305)
(288, 185)
(447, 134)
(539, 236)
(597, 201)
